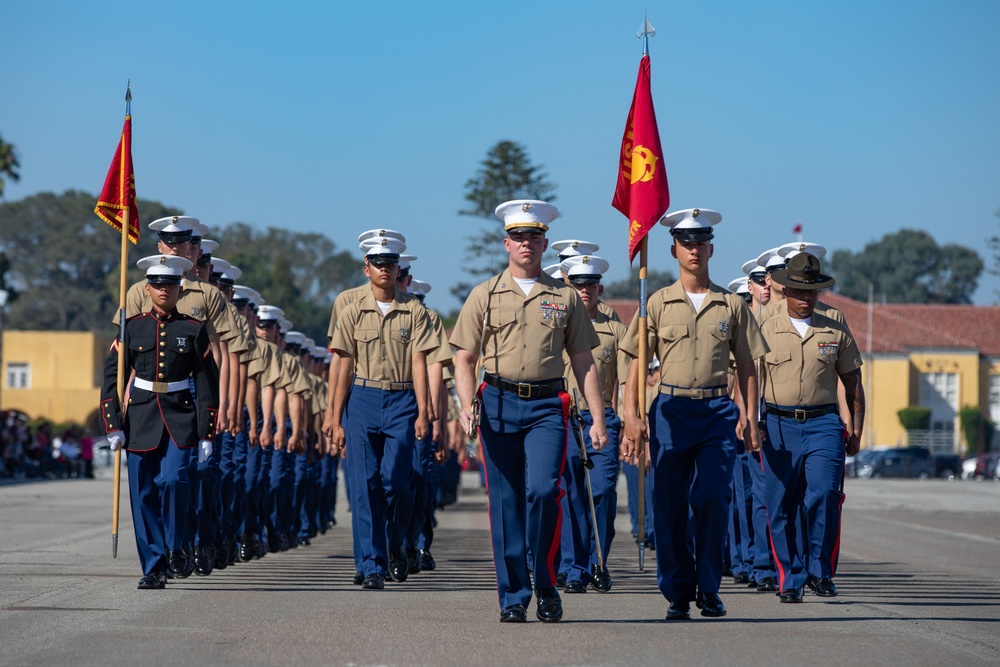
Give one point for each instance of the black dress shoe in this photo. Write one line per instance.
(221, 556)
(398, 568)
(179, 565)
(679, 611)
(427, 561)
(710, 605)
(727, 572)
(549, 609)
(600, 579)
(575, 587)
(155, 580)
(825, 588)
(514, 614)
(561, 579)
(412, 561)
(752, 583)
(791, 595)
(202, 561)
(283, 543)
(374, 582)
(741, 579)
(767, 585)
(359, 578)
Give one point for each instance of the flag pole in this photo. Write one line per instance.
(643, 362)
(645, 32)
(125, 189)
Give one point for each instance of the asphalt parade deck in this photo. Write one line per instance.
(918, 579)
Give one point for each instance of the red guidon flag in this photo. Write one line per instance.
(118, 194)
(642, 193)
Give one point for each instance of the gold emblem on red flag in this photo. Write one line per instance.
(643, 164)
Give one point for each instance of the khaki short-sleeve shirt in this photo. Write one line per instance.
(442, 353)
(802, 371)
(298, 383)
(343, 300)
(607, 358)
(273, 374)
(525, 336)
(383, 346)
(609, 311)
(694, 348)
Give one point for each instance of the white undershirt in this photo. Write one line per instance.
(697, 300)
(526, 284)
(802, 326)
(384, 306)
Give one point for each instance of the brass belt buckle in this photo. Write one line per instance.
(159, 388)
(800, 415)
(523, 390)
(697, 394)
(385, 385)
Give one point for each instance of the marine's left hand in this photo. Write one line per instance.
(204, 450)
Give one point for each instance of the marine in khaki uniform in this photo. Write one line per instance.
(247, 449)
(382, 341)
(434, 448)
(579, 563)
(693, 327)
(520, 323)
(805, 445)
(366, 240)
(274, 418)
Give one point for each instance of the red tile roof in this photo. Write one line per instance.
(901, 327)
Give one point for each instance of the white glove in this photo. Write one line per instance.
(204, 450)
(116, 439)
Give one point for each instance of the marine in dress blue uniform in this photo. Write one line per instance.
(521, 322)
(805, 445)
(164, 424)
(693, 327)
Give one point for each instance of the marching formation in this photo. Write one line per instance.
(236, 426)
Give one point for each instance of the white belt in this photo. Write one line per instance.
(161, 387)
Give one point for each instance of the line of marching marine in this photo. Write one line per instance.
(744, 427)
(210, 487)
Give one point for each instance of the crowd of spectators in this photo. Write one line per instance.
(42, 451)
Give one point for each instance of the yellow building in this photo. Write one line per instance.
(53, 374)
(943, 357)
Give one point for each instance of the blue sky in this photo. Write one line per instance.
(857, 118)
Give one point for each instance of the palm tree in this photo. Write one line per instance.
(8, 163)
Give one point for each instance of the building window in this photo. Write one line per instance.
(995, 398)
(18, 375)
(939, 392)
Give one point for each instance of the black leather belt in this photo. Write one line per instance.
(801, 414)
(526, 389)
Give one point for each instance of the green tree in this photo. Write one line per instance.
(629, 287)
(506, 173)
(908, 266)
(64, 260)
(8, 164)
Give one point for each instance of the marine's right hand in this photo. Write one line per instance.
(116, 439)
